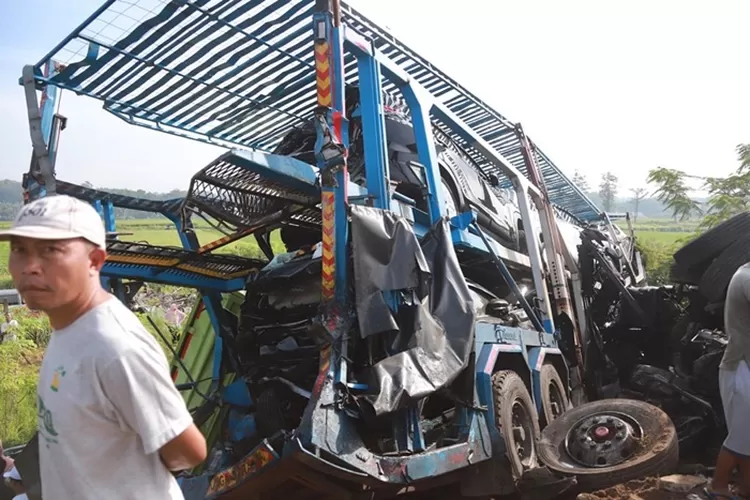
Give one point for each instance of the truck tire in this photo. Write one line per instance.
(711, 243)
(554, 396)
(516, 419)
(715, 280)
(679, 273)
(642, 442)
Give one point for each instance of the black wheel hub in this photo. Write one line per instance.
(523, 435)
(555, 400)
(603, 439)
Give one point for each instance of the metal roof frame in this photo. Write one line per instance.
(240, 73)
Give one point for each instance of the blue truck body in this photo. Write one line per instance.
(242, 75)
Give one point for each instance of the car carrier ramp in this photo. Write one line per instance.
(240, 74)
(175, 266)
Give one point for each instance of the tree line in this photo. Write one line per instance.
(11, 197)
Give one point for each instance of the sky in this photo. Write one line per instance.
(623, 86)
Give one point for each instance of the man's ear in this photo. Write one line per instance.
(97, 256)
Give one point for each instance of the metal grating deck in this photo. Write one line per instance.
(240, 73)
(166, 259)
(243, 199)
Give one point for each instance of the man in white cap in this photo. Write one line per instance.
(13, 481)
(111, 422)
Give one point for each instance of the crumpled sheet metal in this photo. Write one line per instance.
(435, 329)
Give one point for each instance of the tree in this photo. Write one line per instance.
(608, 190)
(580, 180)
(638, 195)
(728, 196)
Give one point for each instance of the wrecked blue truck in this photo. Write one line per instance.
(421, 311)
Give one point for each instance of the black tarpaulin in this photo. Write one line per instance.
(435, 322)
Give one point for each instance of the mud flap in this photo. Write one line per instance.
(491, 477)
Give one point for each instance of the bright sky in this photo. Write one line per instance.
(599, 85)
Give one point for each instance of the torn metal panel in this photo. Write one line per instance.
(435, 329)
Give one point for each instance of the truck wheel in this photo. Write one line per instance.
(609, 442)
(679, 273)
(711, 243)
(554, 396)
(714, 282)
(516, 419)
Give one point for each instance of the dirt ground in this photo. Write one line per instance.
(640, 489)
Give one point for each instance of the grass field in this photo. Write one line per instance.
(157, 232)
(162, 232)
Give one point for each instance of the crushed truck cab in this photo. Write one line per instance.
(418, 313)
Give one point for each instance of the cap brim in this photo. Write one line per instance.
(39, 233)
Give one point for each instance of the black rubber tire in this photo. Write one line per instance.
(711, 243)
(714, 282)
(659, 454)
(508, 388)
(679, 273)
(549, 378)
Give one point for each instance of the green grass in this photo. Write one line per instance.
(665, 237)
(163, 233)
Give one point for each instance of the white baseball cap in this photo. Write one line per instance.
(58, 217)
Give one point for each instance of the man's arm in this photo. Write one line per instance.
(185, 451)
(146, 401)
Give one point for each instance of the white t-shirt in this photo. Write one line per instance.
(106, 404)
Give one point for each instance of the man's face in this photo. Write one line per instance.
(50, 274)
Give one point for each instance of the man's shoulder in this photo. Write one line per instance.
(117, 330)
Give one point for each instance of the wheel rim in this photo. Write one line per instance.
(556, 400)
(523, 434)
(603, 439)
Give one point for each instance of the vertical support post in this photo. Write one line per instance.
(540, 285)
(49, 103)
(40, 180)
(553, 244)
(331, 149)
(377, 172)
(107, 211)
(212, 303)
(426, 150)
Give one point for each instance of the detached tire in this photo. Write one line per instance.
(654, 452)
(517, 420)
(711, 243)
(554, 396)
(714, 282)
(679, 273)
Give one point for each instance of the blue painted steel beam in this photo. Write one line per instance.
(175, 278)
(212, 302)
(377, 171)
(342, 177)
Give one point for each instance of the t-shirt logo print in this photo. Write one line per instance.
(56, 376)
(46, 424)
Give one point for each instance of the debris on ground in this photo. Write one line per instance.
(680, 483)
(674, 487)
